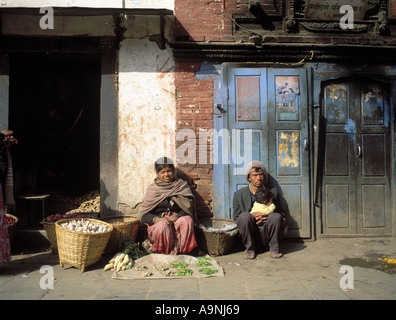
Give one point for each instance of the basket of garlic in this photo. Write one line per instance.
(81, 242)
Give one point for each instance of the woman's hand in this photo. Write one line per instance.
(168, 220)
(172, 219)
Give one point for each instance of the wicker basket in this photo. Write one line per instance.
(49, 228)
(216, 243)
(12, 228)
(80, 249)
(125, 226)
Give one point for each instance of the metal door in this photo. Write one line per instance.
(268, 121)
(356, 174)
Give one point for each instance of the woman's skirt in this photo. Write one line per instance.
(173, 238)
(5, 251)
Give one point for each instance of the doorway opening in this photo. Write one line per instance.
(54, 111)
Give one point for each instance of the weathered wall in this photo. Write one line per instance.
(203, 20)
(153, 4)
(146, 115)
(146, 107)
(212, 20)
(194, 111)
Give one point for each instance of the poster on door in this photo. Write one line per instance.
(287, 92)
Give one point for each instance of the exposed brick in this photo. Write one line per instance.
(194, 106)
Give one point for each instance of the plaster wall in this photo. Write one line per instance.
(147, 115)
(152, 4)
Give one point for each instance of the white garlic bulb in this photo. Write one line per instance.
(83, 225)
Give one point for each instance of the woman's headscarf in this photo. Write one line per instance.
(177, 189)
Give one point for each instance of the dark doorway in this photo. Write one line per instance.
(55, 115)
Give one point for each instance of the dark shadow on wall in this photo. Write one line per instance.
(203, 210)
(283, 206)
(105, 210)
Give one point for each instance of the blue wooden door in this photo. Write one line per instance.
(267, 119)
(356, 195)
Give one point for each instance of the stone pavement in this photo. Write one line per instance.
(309, 270)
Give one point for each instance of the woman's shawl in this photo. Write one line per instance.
(178, 190)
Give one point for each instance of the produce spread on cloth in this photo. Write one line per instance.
(131, 263)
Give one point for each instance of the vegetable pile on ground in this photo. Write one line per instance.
(181, 269)
(208, 271)
(123, 260)
(179, 265)
(184, 272)
(87, 203)
(119, 262)
(131, 248)
(204, 263)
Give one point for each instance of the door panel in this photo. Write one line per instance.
(373, 155)
(294, 196)
(269, 108)
(337, 155)
(248, 106)
(288, 149)
(373, 205)
(356, 179)
(337, 199)
(288, 143)
(247, 116)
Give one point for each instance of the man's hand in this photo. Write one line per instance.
(260, 218)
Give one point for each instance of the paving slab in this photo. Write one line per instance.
(309, 270)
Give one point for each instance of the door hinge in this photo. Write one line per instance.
(218, 107)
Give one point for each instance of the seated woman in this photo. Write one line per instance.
(169, 211)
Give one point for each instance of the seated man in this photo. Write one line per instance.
(248, 223)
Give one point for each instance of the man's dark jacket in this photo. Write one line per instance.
(242, 202)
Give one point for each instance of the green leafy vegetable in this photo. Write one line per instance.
(179, 265)
(184, 272)
(203, 263)
(130, 248)
(208, 271)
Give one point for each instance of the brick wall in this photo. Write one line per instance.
(194, 109)
(210, 20)
(203, 20)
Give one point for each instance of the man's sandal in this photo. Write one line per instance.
(250, 255)
(276, 255)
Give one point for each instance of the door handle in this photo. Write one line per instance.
(359, 151)
(305, 144)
